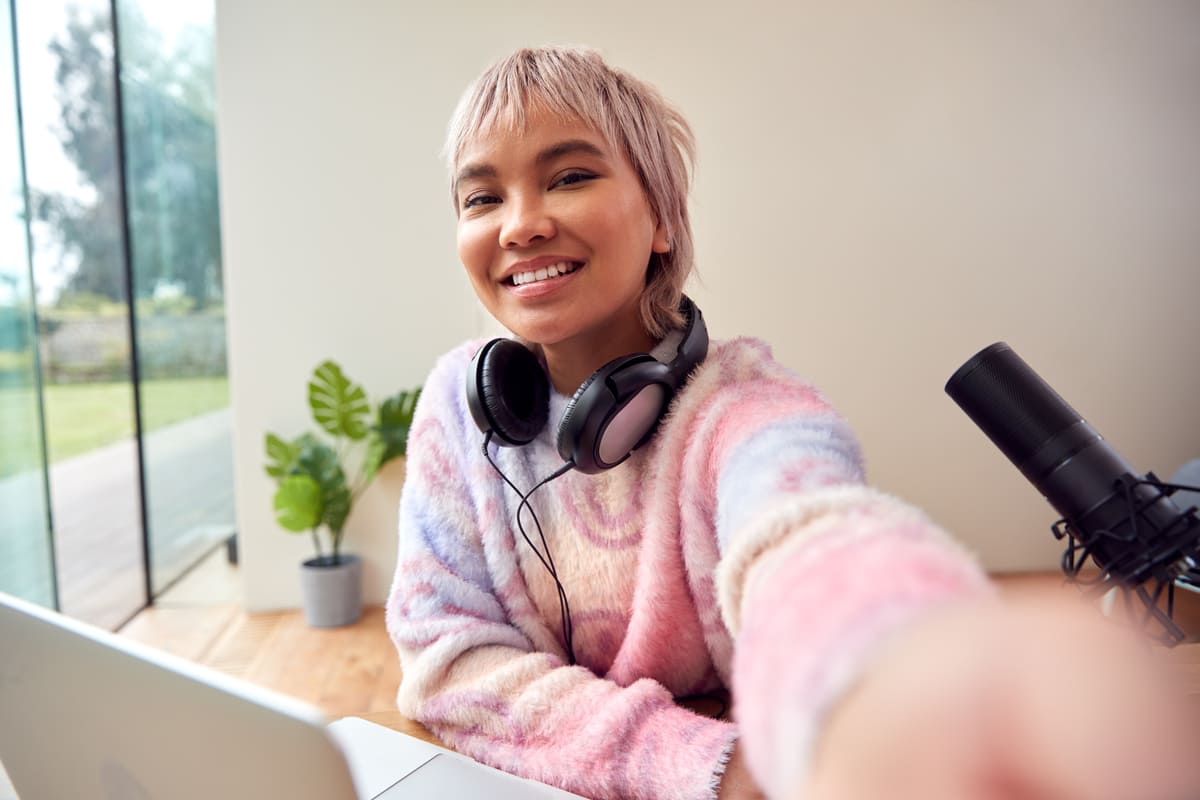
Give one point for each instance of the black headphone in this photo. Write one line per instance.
(613, 412)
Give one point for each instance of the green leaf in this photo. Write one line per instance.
(339, 406)
(373, 459)
(395, 422)
(281, 456)
(318, 462)
(337, 508)
(298, 506)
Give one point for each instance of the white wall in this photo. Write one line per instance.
(881, 192)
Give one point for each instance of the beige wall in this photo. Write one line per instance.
(880, 194)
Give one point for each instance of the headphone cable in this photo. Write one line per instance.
(543, 555)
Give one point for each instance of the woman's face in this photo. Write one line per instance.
(555, 232)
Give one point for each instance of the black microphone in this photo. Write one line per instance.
(1129, 525)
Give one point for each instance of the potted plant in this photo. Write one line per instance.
(315, 494)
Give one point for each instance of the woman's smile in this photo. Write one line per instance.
(539, 270)
(555, 270)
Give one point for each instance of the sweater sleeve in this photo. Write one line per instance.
(816, 570)
(479, 681)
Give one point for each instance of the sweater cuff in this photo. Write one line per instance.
(673, 754)
(707, 741)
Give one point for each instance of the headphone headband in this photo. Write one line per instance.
(688, 345)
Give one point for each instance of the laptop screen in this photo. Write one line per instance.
(84, 713)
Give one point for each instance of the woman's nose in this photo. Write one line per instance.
(526, 222)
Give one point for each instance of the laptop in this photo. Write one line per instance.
(85, 713)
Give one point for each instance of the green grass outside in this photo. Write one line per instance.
(83, 416)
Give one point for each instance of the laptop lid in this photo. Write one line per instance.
(84, 713)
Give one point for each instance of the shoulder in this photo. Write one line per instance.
(452, 365)
(446, 381)
(744, 365)
(442, 410)
(743, 357)
(741, 387)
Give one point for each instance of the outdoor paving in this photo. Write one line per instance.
(97, 527)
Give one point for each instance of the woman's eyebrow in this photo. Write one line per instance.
(471, 171)
(569, 147)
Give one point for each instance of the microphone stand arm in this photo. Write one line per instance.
(1170, 558)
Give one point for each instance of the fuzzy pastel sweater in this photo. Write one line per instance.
(739, 548)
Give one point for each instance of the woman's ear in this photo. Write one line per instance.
(661, 243)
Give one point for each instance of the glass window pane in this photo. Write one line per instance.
(68, 98)
(26, 559)
(168, 99)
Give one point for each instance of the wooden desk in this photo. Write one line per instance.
(1187, 658)
(398, 722)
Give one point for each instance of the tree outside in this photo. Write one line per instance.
(171, 167)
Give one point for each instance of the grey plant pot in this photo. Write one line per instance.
(331, 593)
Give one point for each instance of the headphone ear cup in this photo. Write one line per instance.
(508, 392)
(613, 412)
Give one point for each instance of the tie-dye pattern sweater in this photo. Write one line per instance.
(739, 548)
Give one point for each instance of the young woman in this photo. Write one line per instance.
(549, 632)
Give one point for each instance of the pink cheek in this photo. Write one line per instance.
(472, 251)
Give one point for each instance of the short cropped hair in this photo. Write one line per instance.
(632, 115)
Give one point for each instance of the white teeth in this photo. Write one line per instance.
(552, 271)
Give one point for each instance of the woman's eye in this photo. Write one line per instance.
(576, 176)
(479, 199)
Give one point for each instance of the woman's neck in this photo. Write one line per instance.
(572, 361)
